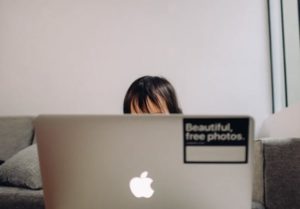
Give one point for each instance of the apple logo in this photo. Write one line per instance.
(141, 186)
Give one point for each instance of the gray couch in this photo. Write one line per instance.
(276, 175)
(276, 169)
(20, 181)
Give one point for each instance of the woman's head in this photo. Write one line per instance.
(151, 94)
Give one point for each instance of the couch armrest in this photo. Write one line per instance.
(257, 205)
(258, 181)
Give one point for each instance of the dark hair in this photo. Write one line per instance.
(151, 88)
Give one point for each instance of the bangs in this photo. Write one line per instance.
(145, 104)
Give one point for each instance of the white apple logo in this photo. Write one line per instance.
(141, 186)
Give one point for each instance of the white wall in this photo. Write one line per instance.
(64, 56)
(282, 124)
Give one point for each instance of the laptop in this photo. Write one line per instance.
(145, 161)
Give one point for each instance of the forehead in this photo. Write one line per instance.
(151, 107)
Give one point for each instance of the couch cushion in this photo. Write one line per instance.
(22, 169)
(282, 173)
(20, 198)
(15, 134)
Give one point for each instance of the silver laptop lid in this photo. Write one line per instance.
(145, 162)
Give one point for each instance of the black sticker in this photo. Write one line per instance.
(215, 140)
